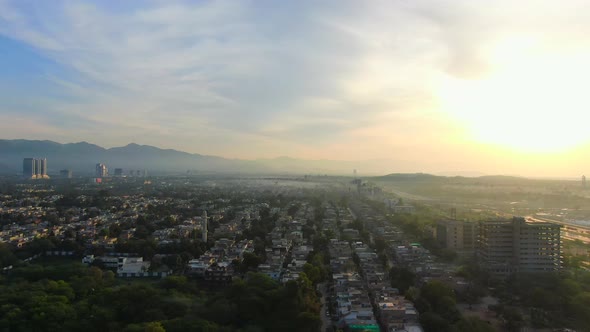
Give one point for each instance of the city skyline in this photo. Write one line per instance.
(440, 86)
(35, 168)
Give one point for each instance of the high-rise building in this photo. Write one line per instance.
(35, 168)
(65, 174)
(204, 227)
(118, 172)
(508, 246)
(138, 173)
(30, 168)
(42, 167)
(458, 235)
(101, 170)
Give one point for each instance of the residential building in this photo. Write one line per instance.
(219, 273)
(457, 235)
(508, 246)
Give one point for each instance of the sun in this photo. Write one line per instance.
(534, 99)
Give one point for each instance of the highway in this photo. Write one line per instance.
(570, 231)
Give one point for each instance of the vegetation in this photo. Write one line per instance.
(402, 278)
(73, 297)
(551, 300)
(436, 303)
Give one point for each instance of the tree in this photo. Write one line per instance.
(472, 324)
(174, 282)
(435, 291)
(380, 244)
(433, 322)
(513, 319)
(293, 209)
(402, 278)
(187, 324)
(145, 327)
(249, 262)
(154, 327)
(312, 272)
(6, 256)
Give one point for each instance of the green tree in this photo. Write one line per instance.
(513, 320)
(402, 278)
(249, 262)
(472, 324)
(7, 257)
(312, 272)
(433, 322)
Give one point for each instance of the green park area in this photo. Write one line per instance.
(64, 295)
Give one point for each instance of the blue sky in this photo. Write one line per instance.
(343, 80)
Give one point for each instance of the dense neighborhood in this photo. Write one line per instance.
(361, 259)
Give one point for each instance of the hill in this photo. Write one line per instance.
(82, 158)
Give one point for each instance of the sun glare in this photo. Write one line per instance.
(533, 100)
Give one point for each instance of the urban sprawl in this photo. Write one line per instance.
(371, 266)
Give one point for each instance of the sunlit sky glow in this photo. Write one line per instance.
(430, 86)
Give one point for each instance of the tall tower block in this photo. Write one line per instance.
(29, 168)
(35, 168)
(42, 171)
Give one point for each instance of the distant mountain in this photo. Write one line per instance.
(410, 177)
(466, 174)
(429, 178)
(7, 170)
(505, 179)
(364, 168)
(82, 158)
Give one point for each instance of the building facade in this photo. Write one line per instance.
(42, 167)
(101, 170)
(509, 246)
(35, 168)
(458, 235)
(29, 168)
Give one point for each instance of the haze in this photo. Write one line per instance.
(431, 86)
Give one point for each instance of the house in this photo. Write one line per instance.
(219, 273)
(132, 267)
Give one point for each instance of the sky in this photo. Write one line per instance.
(419, 86)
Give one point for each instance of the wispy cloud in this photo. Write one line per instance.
(261, 78)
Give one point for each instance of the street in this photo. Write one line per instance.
(326, 320)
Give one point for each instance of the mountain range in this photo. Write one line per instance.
(82, 158)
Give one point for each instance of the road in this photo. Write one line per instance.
(326, 320)
(571, 231)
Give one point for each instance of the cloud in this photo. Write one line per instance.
(260, 79)
(222, 63)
